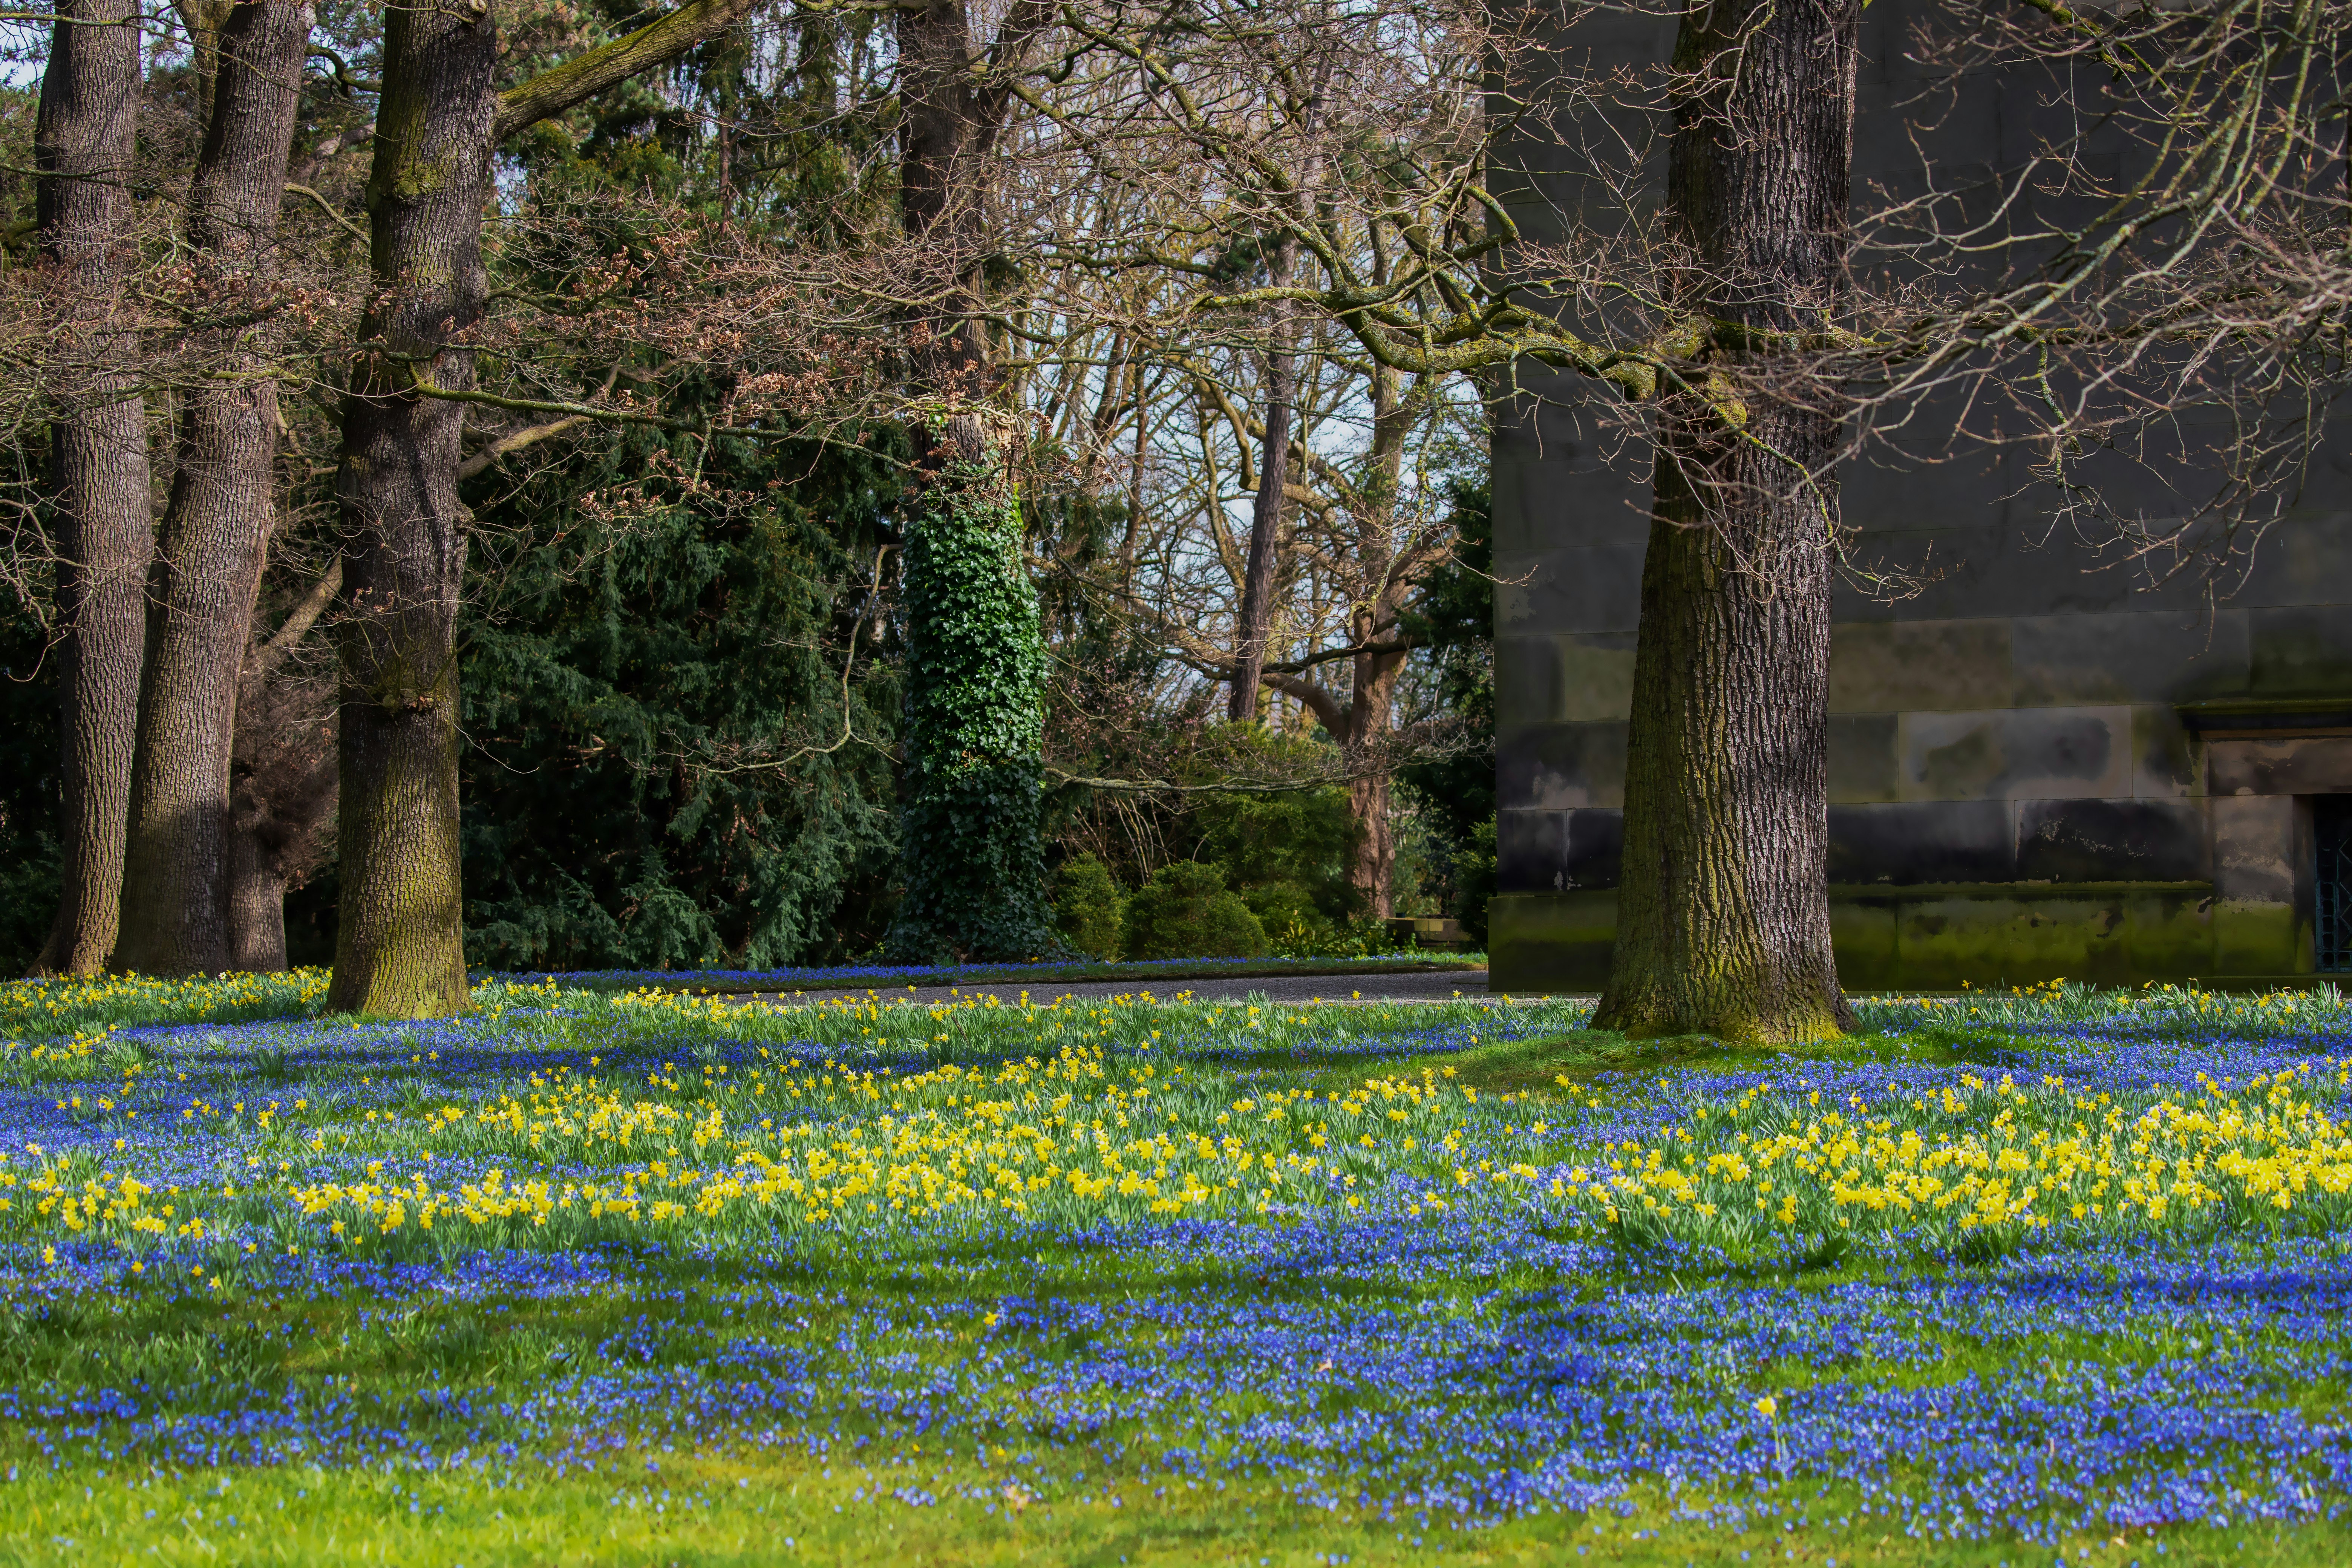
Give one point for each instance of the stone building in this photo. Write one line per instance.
(2038, 767)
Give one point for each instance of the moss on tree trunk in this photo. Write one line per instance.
(1723, 920)
(399, 933)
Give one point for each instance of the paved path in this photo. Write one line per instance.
(1470, 984)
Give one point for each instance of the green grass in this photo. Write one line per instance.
(721, 1509)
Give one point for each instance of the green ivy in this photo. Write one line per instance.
(971, 840)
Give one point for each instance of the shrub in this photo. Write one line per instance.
(1185, 911)
(1304, 838)
(1293, 926)
(1088, 906)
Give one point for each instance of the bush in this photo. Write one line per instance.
(1302, 838)
(1185, 911)
(1293, 926)
(1088, 906)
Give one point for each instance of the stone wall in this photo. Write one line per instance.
(2039, 764)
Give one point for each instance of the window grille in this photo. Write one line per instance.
(2331, 820)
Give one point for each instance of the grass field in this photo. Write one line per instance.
(640, 1277)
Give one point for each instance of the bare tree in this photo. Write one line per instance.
(399, 942)
(216, 524)
(85, 145)
(282, 779)
(1723, 920)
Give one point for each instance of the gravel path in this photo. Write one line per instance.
(1470, 984)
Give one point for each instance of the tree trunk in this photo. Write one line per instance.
(216, 525)
(256, 908)
(1257, 618)
(1370, 712)
(399, 936)
(282, 781)
(1723, 921)
(84, 142)
(973, 849)
(401, 939)
(399, 931)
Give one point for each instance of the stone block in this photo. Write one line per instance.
(1561, 767)
(2254, 842)
(1563, 679)
(2307, 559)
(1596, 848)
(1596, 677)
(2111, 841)
(2291, 765)
(1540, 943)
(2063, 661)
(1583, 590)
(1951, 756)
(2300, 652)
(1526, 683)
(2259, 939)
(2164, 757)
(1935, 666)
(1922, 841)
(1945, 943)
(1862, 932)
(1530, 850)
(2057, 752)
(1863, 757)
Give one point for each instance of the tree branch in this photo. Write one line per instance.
(297, 623)
(553, 91)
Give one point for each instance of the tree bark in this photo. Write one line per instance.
(215, 528)
(1723, 921)
(84, 142)
(256, 908)
(1372, 868)
(1256, 617)
(282, 784)
(399, 936)
(399, 931)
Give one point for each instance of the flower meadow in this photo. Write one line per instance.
(658, 1276)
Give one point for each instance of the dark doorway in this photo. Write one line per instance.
(2331, 823)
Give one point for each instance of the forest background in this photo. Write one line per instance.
(684, 651)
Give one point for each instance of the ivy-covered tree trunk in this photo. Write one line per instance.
(216, 524)
(84, 141)
(971, 851)
(1723, 922)
(399, 932)
(971, 844)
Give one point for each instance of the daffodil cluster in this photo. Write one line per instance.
(1976, 1154)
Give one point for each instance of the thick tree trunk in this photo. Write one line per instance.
(84, 142)
(256, 908)
(972, 854)
(399, 931)
(399, 936)
(1255, 620)
(216, 525)
(1723, 921)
